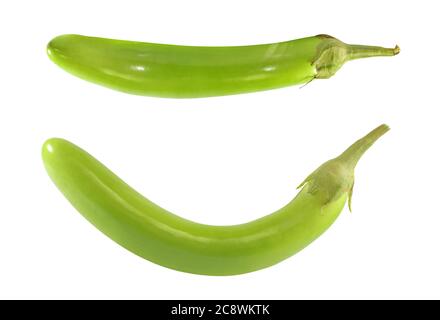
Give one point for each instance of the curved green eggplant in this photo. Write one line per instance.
(155, 234)
(190, 71)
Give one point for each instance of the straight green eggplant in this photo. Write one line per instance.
(176, 71)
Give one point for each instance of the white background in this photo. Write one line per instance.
(224, 160)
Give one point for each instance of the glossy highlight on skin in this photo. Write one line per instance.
(164, 238)
(176, 71)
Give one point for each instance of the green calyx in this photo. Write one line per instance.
(335, 177)
(333, 53)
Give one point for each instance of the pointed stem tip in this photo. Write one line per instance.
(352, 155)
(359, 51)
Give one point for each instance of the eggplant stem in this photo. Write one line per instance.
(356, 51)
